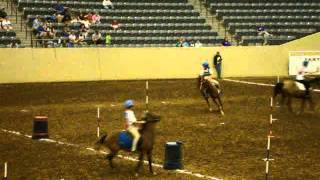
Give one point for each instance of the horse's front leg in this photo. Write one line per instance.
(303, 102)
(311, 104)
(139, 163)
(289, 104)
(149, 154)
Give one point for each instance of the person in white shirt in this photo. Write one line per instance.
(301, 72)
(107, 4)
(198, 44)
(131, 123)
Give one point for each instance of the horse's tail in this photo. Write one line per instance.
(102, 139)
(277, 89)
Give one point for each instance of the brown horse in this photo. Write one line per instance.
(290, 89)
(208, 90)
(145, 145)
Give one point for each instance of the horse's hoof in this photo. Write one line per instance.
(210, 109)
(154, 173)
(136, 174)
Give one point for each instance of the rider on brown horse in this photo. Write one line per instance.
(206, 74)
(132, 123)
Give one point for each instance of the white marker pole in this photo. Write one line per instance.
(147, 97)
(98, 120)
(271, 102)
(278, 79)
(5, 171)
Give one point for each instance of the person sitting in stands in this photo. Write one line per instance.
(6, 24)
(225, 42)
(96, 38)
(72, 38)
(107, 4)
(115, 25)
(95, 18)
(108, 39)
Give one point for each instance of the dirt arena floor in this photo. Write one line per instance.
(229, 147)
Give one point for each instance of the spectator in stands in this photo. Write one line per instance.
(3, 13)
(96, 18)
(6, 24)
(185, 43)
(217, 62)
(83, 30)
(59, 8)
(179, 42)
(115, 25)
(72, 38)
(108, 39)
(265, 35)
(96, 38)
(80, 39)
(225, 42)
(35, 24)
(13, 44)
(198, 44)
(107, 4)
(67, 16)
(88, 17)
(51, 32)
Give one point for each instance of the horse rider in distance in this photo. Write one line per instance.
(206, 74)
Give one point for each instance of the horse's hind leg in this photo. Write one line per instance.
(303, 102)
(289, 104)
(219, 104)
(110, 157)
(208, 103)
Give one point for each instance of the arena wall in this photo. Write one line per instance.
(87, 64)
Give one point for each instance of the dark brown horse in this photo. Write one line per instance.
(145, 145)
(207, 89)
(290, 89)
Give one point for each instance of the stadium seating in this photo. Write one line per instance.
(286, 20)
(142, 22)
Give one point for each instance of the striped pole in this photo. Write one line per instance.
(147, 97)
(5, 176)
(267, 159)
(98, 121)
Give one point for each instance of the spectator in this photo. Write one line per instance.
(95, 18)
(6, 24)
(13, 44)
(198, 44)
(72, 38)
(88, 17)
(265, 35)
(179, 42)
(67, 16)
(35, 24)
(80, 39)
(96, 38)
(83, 30)
(3, 14)
(217, 61)
(108, 39)
(107, 4)
(115, 25)
(59, 8)
(185, 43)
(225, 42)
(51, 32)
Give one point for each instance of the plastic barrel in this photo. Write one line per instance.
(40, 127)
(173, 155)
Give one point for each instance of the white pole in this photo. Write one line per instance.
(5, 170)
(268, 147)
(147, 97)
(278, 79)
(98, 113)
(271, 101)
(98, 120)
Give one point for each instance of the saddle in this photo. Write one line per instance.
(125, 140)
